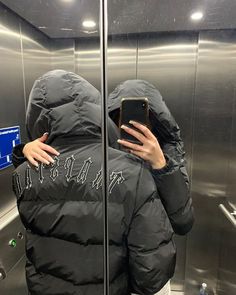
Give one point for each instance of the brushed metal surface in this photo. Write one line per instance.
(87, 60)
(231, 188)
(168, 61)
(211, 140)
(122, 59)
(15, 282)
(36, 55)
(227, 268)
(9, 217)
(12, 106)
(9, 256)
(63, 54)
(228, 215)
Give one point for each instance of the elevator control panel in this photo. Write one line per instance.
(9, 137)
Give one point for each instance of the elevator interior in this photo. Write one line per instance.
(193, 64)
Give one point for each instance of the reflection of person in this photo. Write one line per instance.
(163, 140)
(162, 147)
(61, 204)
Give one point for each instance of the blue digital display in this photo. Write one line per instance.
(9, 137)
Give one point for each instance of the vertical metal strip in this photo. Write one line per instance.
(137, 53)
(193, 117)
(23, 67)
(105, 170)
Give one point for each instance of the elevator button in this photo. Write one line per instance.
(20, 235)
(12, 243)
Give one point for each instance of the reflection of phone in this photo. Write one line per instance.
(136, 109)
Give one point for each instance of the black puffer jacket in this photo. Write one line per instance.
(172, 181)
(61, 205)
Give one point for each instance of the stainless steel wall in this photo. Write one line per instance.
(36, 55)
(211, 157)
(63, 54)
(12, 259)
(122, 60)
(195, 72)
(87, 60)
(12, 104)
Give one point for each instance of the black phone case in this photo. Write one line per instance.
(135, 109)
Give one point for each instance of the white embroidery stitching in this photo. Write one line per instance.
(69, 163)
(116, 178)
(28, 179)
(82, 176)
(54, 171)
(98, 180)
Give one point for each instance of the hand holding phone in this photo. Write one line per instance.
(133, 109)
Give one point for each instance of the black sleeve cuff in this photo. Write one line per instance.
(168, 168)
(17, 155)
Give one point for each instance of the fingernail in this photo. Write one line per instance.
(118, 140)
(36, 165)
(52, 161)
(58, 154)
(45, 133)
(132, 122)
(123, 126)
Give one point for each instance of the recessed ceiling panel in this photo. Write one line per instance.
(65, 18)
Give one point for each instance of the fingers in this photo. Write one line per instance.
(134, 149)
(40, 158)
(49, 149)
(44, 137)
(44, 155)
(33, 162)
(134, 133)
(130, 145)
(143, 129)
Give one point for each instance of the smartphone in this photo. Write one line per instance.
(136, 109)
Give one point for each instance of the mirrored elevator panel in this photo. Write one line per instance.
(37, 37)
(187, 52)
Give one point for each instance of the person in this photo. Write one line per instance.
(60, 204)
(163, 140)
(162, 144)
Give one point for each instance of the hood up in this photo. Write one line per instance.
(163, 124)
(63, 104)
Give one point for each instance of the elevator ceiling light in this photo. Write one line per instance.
(197, 15)
(89, 24)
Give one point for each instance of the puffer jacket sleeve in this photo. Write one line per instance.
(150, 244)
(17, 155)
(173, 187)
